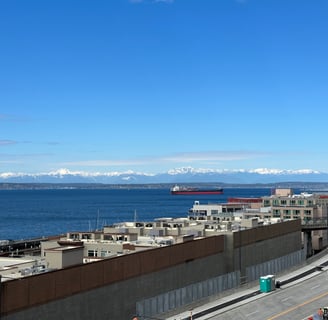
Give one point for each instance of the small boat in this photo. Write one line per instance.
(177, 190)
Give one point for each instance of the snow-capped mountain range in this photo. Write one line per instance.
(179, 175)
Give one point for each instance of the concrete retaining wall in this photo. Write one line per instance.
(110, 289)
(185, 296)
(275, 266)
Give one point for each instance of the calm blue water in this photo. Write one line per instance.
(28, 214)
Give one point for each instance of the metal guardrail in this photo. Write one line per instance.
(315, 224)
(8, 247)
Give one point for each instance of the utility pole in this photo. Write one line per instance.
(239, 233)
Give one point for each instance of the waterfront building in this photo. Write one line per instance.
(305, 206)
(216, 211)
(308, 207)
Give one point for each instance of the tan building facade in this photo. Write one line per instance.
(305, 206)
(308, 207)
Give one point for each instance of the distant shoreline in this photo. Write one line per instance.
(313, 186)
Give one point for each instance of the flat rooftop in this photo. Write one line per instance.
(7, 262)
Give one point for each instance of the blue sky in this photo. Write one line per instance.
(146, 85)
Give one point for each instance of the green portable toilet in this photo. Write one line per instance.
(265, 284)
(272, 281)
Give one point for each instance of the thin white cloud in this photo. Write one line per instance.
(105, 163)
(7, 142)
(52, 143)
(22, 159)
(12, 117)
(4, 117)
(214, 156)
(186, 157)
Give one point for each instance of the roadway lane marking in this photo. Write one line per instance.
(249, 314)
(315, 287)
(297, 306)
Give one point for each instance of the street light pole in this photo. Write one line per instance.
(239, 232)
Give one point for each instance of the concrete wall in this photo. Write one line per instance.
(110, 289)
(172, 265)
(275, 266)
(184, 298)
(258, 245)
(178, 299)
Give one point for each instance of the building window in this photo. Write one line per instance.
(308, 212)
(276, 213)
(296, 214)
(74, 236)
(103, 253)
(92, 253)
(108, 237)
(266, 203)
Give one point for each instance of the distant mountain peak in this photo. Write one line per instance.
(177, 175)
(281, 171)
(185, 170)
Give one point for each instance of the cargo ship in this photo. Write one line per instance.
(177, 190)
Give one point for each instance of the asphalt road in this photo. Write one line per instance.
(295, 301)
